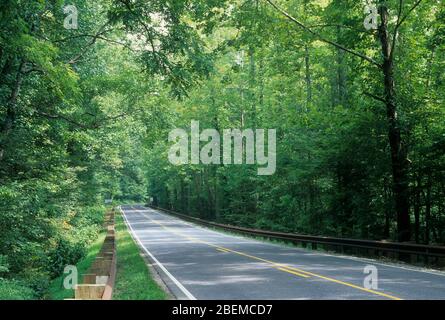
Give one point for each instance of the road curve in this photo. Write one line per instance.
(199, 263)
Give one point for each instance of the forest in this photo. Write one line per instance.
(90, 90)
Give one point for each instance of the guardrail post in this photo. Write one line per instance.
(92, 278)
(89, 278)
(89, 291)
(441, 262)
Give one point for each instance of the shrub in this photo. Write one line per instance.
(67, 252)
(15, 290)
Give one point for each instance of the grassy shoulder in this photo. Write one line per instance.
(133, 279)
(56, 289)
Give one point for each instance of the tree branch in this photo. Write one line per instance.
(321, 38)
(374, 96)
(92, 42)
(62, 117)
(327, 25)
(396, 29)
(96, 125)
(400, 21)
(106, 119)
(77, 36)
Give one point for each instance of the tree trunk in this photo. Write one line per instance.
(387, 193)
(252, 84)
(308, 76)
(417, 211)
(341, 77)
(261, 79)
(11, 111)
(399, 159)
(428, 210)
(182, 190)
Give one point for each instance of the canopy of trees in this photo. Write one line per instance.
(86, 112)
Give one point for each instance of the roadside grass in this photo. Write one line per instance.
(133, 279)
(56, 290)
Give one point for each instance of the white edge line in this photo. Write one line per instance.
(176, 282)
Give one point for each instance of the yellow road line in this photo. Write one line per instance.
(275, 265)
(355, 287)
(293, 272)
(278, 266)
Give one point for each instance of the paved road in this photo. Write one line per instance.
(198, 263)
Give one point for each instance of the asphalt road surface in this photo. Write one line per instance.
(199, 263)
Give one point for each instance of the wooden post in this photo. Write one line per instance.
(89, 291)
(101, 266)
(89, 278)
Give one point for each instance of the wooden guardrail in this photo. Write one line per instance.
(407, 252)
(98, 283)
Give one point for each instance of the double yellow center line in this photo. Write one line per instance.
(278, 266)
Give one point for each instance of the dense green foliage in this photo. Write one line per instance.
(59, 155)
(337, 123)
(14, 290)
(85, 116)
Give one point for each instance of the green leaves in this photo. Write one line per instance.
(166, 35)
(334, 168)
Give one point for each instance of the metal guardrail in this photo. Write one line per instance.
(407, 252)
